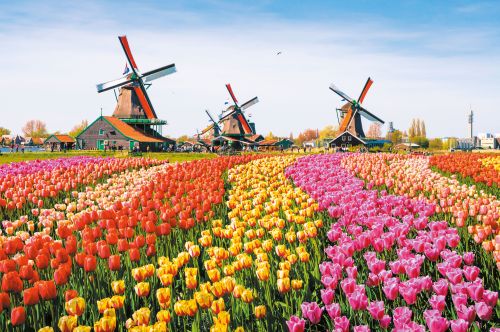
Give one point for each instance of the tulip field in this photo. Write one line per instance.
(326, 242)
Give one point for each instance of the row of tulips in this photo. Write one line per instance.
(389, 265)
(411, 176)
(248, 269)
(61, 259)
(479, 167)
(35, 183)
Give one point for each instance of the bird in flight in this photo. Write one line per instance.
(278, 53)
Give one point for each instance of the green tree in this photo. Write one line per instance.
(78, 128)
(436, 144)
(395, 137)
(420, 140)
(4, 131)
(328, 132)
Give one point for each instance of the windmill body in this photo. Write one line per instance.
(352, 111)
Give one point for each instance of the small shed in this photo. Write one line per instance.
(60, 142)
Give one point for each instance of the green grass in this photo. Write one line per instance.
(172, 157)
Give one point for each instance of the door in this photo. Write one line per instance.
(100, 144)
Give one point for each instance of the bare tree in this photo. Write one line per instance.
(374, 131)
(78, 128)
(35, 128)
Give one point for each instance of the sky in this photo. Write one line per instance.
(433, 60)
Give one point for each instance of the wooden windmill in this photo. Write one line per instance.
(351, 112)
(133, 103)
(234, 123)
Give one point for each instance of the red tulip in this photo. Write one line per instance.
(30, 296)
(70, 294)
(114, 262)
(11, 282)
(134, 254)
(18, 316)
(26, 272)
(47, 289)
(60, 276)
(90, 263)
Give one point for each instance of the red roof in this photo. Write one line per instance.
(131, 132)
(268, 142)
(64, 138)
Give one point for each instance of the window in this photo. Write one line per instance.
(343, 138)
(349, 138)
(101, 132)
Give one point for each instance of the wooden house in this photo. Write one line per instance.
(112, 133)
(59, 142)
(346, 140)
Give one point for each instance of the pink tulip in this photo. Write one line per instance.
(466, 313)
(361, 328)
(483, 311)
(440, 287)
(438, 302)
(376, 309)
(352, 272)
(401, 316)
(471, 272)
(454, 276)
(312, 311)
(348, 285)
(327, 296)
(459, 325)
(475, 290)
(409, 293)
(385, 321)
(468, 258)
(342, 323)
(490, 298)
(358, 300)
(333, 310)
(296, 324)
(437, 323)
(391, 290)
(459, 299)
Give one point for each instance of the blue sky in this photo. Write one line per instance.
(429, 59)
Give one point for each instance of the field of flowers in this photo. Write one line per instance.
(246, 243)
(471, 169)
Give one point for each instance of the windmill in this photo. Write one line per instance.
(234, 123)
(133, 103)
(351, 112)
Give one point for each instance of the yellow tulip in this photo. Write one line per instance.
(141, 316)
(247, 296)
(67, 323)
(297, 284)
(46, 329)
(117, 301)
(118, 287)
(204, 299)
(283, 285)
(75, 306)
(163, 316)
(218, 306)
(260, 311)
(142, 289)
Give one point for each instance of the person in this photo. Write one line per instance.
(22, 148)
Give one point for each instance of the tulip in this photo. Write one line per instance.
(70, 294)
(163, 316)
(17, 316)
(312, 311)
(333, 310)
(142, 289)
(30, 296)
(459, 325)
(296, 324)
(376, 309)
(67, 323)
(260, 311)
(484, 311)
(118, 287)
(75, 306)
(342, 323)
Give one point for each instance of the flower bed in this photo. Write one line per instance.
(389, 265)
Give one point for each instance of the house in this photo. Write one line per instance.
(59, 142)
(345, 140)
(275, 144)
(6, 139)
(488, 143)
(109, 132)
(406, 146)
(309, 144)
(376, 143)
(33, 141)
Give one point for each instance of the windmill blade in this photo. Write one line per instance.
(227, 115)
(228, 87)
(159, 72)
(113, 84)
(213, 121)
(249, 103)
(367, 86)
(145, 102)
(207, 129)
(128, 53)
(340, 93)
(244, 123)
(370, 116)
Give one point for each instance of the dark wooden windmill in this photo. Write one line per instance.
(351, 112)
(134, 106)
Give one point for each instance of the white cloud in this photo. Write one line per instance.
(50, 73)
